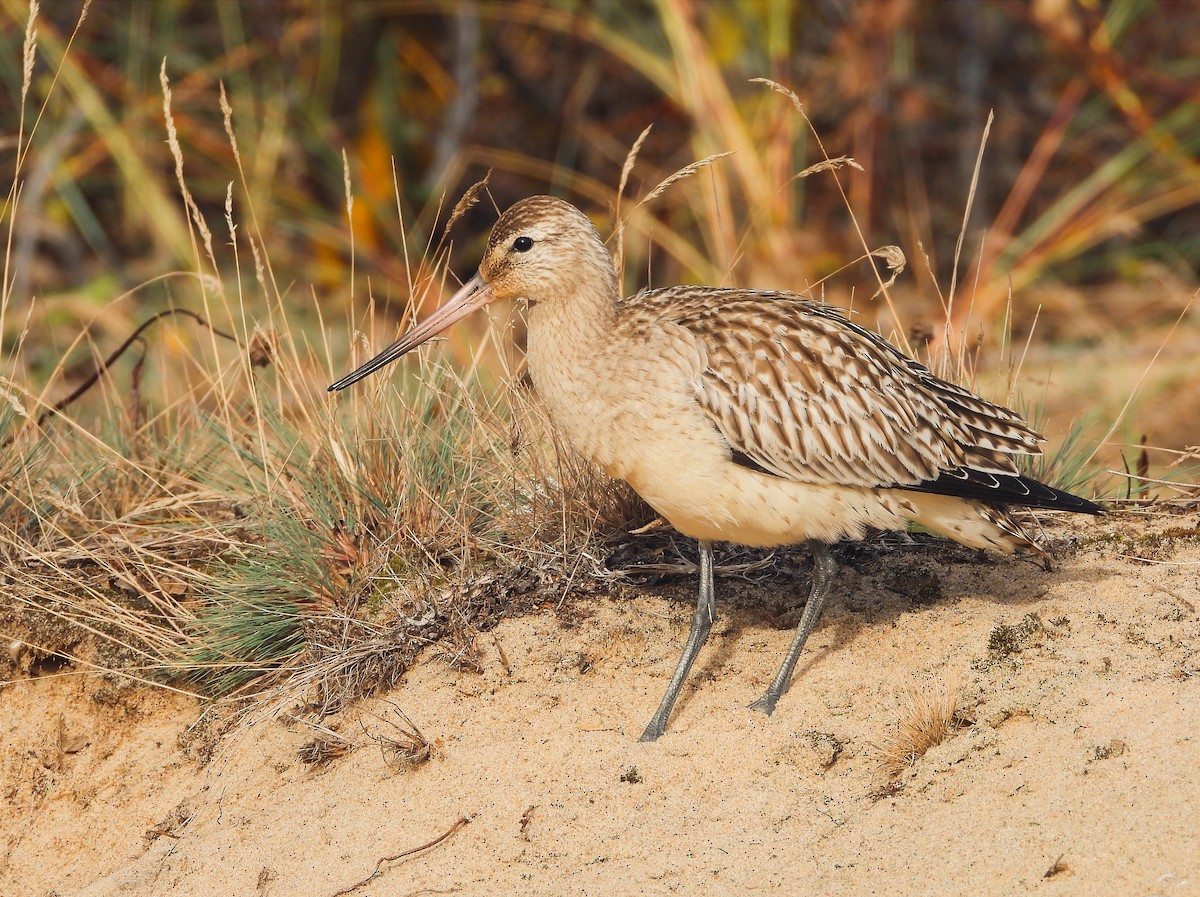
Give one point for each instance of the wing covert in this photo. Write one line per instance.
(806, 394)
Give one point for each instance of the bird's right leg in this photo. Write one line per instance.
(706, 607)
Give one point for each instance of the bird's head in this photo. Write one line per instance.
(542, 249)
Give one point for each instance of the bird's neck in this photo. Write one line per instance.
(570, 352)
(568, 338)
(576, 324)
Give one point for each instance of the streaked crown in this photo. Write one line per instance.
(543, 249)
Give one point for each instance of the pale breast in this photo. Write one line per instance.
(626, 404)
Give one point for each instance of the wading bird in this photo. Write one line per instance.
(749, 416)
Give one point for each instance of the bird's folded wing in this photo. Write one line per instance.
(804, 393)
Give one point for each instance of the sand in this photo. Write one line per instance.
(1073, 766)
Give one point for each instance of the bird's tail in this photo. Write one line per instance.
(975, 523)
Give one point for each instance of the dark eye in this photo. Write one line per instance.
(523, 244)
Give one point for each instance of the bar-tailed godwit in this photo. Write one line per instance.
(750, 416)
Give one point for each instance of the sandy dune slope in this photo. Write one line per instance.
(1073, 766)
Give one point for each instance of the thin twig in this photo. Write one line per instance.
(112, 359)
(1173, 484)
(799, 107)
(462, 820)
(826, 165)
(1133, 394)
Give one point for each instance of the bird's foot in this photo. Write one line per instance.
(766, 704)
(653, 731)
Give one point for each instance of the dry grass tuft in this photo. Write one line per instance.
(404, 746)
(929, 716)
(238, 533)
(326, 746)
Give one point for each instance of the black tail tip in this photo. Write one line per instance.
(1076, 504)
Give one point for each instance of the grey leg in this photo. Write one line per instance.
(822, 578)
(706, 606)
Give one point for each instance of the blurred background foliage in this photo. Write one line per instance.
(1086, 212)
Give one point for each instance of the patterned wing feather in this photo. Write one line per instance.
(804, 393)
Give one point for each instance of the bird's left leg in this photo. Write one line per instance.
(824, 567)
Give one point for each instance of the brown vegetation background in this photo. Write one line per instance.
(1089, 178)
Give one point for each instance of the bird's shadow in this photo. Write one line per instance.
(879, 579)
